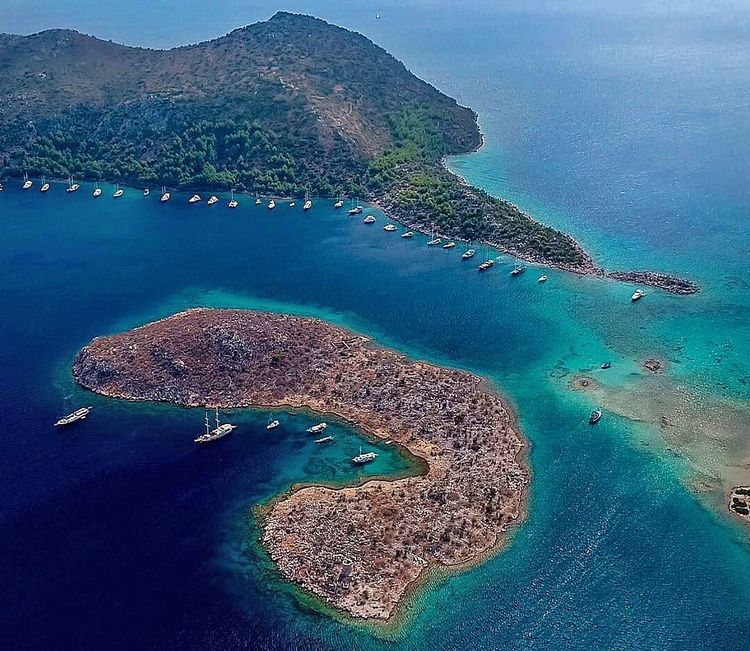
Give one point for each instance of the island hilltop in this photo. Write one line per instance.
(358, 548)
(282, 107)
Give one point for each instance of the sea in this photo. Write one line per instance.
(624, 124)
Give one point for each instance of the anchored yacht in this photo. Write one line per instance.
(316, 429)
(165, 196)
(389, 227)
(271, 204)
(212, 200)
(26, 182)
(408, 234)
(449, 245)
(78, 414)
(72, 185)
(146, 192)
(325, 439)
(195, 198)
(434, 241)
(542, 279)
(365, 457)
(595, 417)
(273, 424)
(487, 264)
(97, 192)
(369, 219)
(118, 192)
(518, 271)
(468, 254)
(637, 295)
(220, 431)
(45, 186)
(233, 203)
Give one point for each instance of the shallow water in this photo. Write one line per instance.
(627, 129)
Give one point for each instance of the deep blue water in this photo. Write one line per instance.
(627, 126)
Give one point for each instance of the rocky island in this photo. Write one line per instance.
(359, 548)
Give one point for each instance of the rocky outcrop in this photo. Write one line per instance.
(358, 548)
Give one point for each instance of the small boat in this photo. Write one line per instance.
(292, 204)
(195, 199)
(389, 227)
(518, 271)
(449, 245)
(219, 432)
(273, 424)
(26, 182)
(487, 264)
(97, 192)
(408, 234)
(388, 442)
(146, 192)
(233, 203)
(637, 295)
(316, 429)
(212, 200)
(1, 187)
(165, 196)
(606, 365)
(356, 210)
(72, 186)
(257, 200)
(365, 457)
(468, 254)
(339, 203)
(542, 279)
(78, 414)
(45, 186)
(595, 417)
(434, 241)
(118, 192)
(308, 204)
(369, 219)
(325, 439)
(271, 204)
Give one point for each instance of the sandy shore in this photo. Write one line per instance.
(360, 549)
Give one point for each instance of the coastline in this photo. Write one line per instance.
(663, 281)
(499, 466)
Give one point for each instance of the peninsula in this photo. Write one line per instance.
(359, 549)
(281, 107)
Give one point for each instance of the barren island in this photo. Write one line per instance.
(359, 548)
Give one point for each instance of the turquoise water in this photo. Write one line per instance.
(627, 128)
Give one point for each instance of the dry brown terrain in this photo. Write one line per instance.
(357, 548)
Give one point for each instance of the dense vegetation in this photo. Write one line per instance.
(281, 107)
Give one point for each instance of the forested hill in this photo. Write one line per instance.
(285, 106)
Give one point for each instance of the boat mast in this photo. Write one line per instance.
(217, 418)
(207, 426)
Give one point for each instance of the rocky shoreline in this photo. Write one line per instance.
(739, 502)
(359, 549)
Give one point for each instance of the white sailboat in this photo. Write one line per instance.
(165, 196)
(233, 203)
(146, 192)
(257, 200)
(212, 200)
(220, 431)
(118, 192)
(365, 457)
(45, 186)
(389, 228)
(271, 204)
(72, 185)
(26, 182)
(97, 192)
(308, 204)
(339, 203)
(195, 199)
